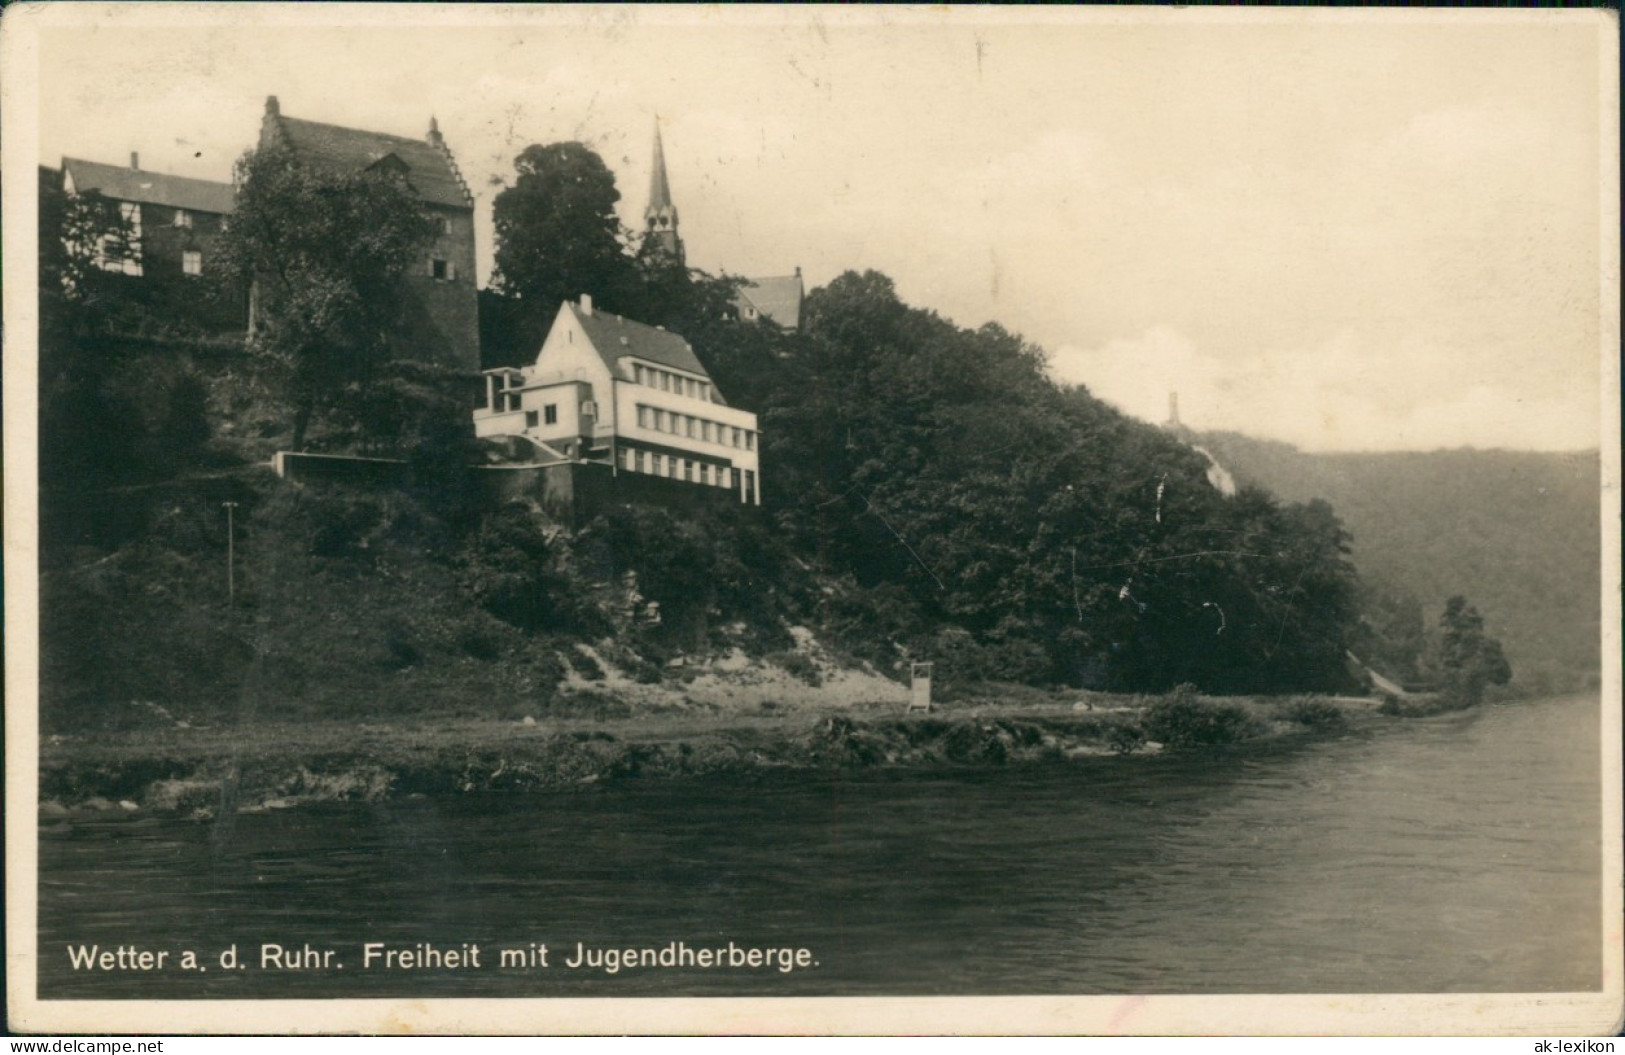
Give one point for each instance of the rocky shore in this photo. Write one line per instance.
(178, 769)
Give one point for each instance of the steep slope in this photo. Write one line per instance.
(1517, 532)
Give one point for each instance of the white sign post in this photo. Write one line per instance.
(919, 687)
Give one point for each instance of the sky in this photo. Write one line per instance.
(1350, 231)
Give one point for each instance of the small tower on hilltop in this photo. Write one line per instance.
(1173, 424)
(660, 218)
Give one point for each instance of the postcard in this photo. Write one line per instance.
(917, 520)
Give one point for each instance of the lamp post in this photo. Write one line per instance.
(231, 554)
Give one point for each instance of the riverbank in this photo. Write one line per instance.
(173, 767)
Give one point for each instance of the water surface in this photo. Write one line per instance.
(1451, 854)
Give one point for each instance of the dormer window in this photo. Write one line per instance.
(183, 219)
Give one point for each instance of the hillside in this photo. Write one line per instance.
(1517, 532)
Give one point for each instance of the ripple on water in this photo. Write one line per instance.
(1437, 855)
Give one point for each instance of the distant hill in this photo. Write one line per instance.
(1517, 532)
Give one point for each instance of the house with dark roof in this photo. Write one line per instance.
(161, 229)
(776, 300)
(635, 399)
(441, 309)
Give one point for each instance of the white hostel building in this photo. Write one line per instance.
(608, 390)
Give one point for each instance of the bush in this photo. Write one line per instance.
(1183, 721)
(1317, 715)
(584, 665)
(1126, 739)
(479, 642)
(798, 665)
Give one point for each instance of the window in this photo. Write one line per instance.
(192, 262)
(551, 412)
(643, 461)
(643, 416)
(688, 426)
(750, 440)
(725, 477)
(183, 219)
(121, 251)
(626, 458)
(705, 392)
(705, 431)
(439, 269)
(736, 437)
(665, 381)
(688, 471)
(638, 373)
(750, 486)
(660, 464)
(443, 223)
(660, 420)
(532, 419)
(705, 473)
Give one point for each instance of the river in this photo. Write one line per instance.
(1459, 853)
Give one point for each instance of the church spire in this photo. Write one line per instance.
(660, 218)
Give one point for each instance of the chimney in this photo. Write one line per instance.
(798, 270)
(586, 304)
(435, 139)
(272, 107)
(135, 160)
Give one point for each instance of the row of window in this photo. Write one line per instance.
(637, 460)
(115, 254)
(667, 381)
(130, 212)
(694, 428)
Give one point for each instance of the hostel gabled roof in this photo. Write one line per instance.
(777, 299)
(430, 169)
(614, 338)
(155, 188)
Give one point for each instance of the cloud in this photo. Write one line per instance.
(1342, 394)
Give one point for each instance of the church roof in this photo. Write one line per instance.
(615, 338)
(155, 188)
(777, 299)
(429, 170)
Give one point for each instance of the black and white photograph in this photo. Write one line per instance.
(818, 520)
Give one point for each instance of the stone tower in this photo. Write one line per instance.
(660, 218)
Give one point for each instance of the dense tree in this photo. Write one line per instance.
(1391, 633)
(111, 363)
(1027, 520)
(557, 234)
(1467, 659)
(328, 252)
